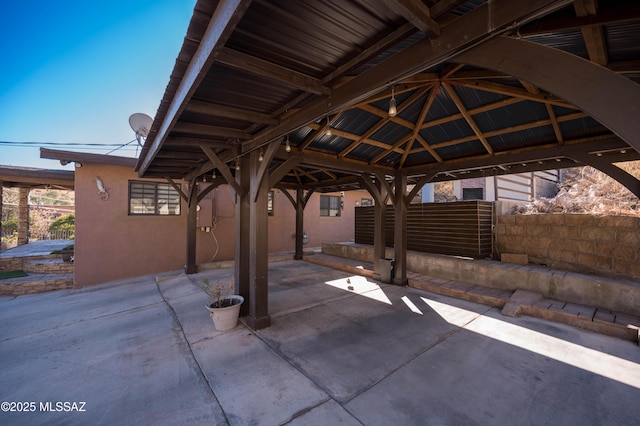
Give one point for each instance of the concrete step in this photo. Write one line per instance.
(600, 320)
(512, 303)
(35, 283)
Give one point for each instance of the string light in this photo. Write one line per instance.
(393, 110)
(328, 132)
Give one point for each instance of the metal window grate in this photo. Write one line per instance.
(152, 198)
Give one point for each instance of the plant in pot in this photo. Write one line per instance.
(224, 306)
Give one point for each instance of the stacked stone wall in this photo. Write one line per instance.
(583, 243)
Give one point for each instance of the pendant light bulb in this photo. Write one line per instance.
(393, 110)
(260, 157)
(213, 175)
(328, 132)
(237, 165)
(287, 145)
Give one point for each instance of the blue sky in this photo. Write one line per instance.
(74, 71)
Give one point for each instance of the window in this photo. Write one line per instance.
(152, 198)
(472, 193)
(330, 205)
(270, 203)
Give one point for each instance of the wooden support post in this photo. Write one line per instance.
(258, 317)
(299, 224)
(242, 256)
(400, 229)
(23, 216)
(192, 215)
(379, 228)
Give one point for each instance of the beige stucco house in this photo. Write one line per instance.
(127, 226)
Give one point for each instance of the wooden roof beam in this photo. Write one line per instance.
(468, 31)
(522, 155)
(470, 121)
(222, 23)
(224, 170)
(262, 68)
(552, 115)
(593, 35)
(206, 130)
(605, 16)
(611, 99)
(417, 14)
(216, 110)
(504, 89)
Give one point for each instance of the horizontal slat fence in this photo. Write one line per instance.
(461, 228)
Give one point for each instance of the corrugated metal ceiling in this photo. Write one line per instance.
(284, 56)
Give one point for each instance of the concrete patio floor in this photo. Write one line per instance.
(144, 351)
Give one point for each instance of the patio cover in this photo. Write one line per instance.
(481, 88)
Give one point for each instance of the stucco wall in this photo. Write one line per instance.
(577, 242)
(282, 225)
(111, 245)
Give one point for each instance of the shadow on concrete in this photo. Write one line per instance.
(338, 352)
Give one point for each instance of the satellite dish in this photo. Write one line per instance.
(141, 124)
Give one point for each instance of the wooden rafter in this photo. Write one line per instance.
(365, 138)
(593, 35)
(225, 111)
(606, 16)
(393, 147)
(224, 169)
(307, 174)
(489, 107)
(428, 148)
(417, 13)
(206, 130)
(224, 20)
(504, 89)
(470, 121)
(552, 115)
(411, 60)
(318, 130)
(510, 129)
(370, 52)
(250, 64)
(416, 131)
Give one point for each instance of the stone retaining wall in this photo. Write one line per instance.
(614, 294)
(576, 242)
(45, 264)
(11, 264)
(33, 287)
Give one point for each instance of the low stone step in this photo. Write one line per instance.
(55, 265)
(600, 320)
(35, 283)
(473, 293)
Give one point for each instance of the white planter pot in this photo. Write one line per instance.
(225, 319)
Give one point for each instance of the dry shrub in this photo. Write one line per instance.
(587, 190)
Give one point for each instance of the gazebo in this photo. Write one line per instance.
(313, 96)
